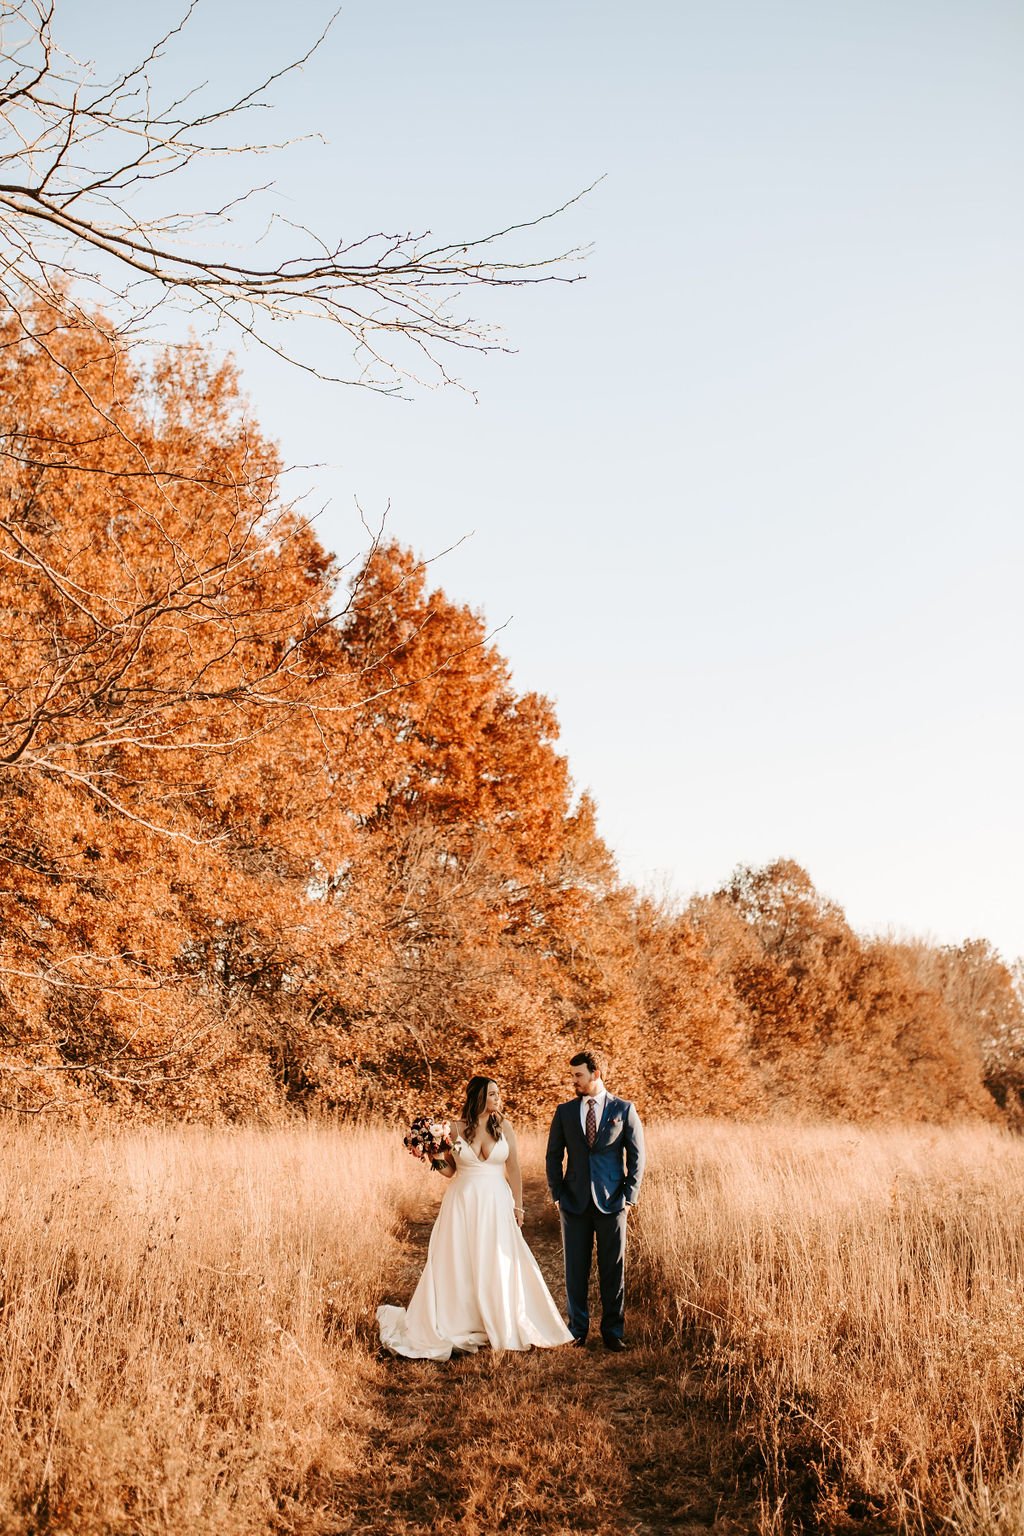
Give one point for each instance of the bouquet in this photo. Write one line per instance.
(429, 1139)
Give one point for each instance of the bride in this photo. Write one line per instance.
(481, 1284)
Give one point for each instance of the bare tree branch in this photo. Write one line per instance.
(74, 151)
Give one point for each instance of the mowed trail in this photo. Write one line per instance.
(553, 1441)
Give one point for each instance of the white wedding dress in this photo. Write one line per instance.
(480, 1284)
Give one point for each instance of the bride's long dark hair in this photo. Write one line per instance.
(476, 1103)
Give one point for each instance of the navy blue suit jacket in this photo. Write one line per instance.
(609, 1173)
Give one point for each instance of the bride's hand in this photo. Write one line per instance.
(520, 1214)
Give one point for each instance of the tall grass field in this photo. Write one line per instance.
(187, 1339)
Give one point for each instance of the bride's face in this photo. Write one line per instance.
(493, 1104)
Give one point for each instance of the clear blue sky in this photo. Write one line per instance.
(751, 494)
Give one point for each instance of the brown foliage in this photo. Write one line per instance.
(985, 997)
(839, 1025)
(165, 788)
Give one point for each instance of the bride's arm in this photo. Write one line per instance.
(513, 1172)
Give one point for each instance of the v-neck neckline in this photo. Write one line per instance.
(476, 1154)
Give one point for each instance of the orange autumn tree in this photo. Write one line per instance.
(221, 825)
(489, 865)
(985, 997)
(165, 790)
(838, 1025)
(693, 1051)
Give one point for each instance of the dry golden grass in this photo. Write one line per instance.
(186, 1323)
(858, 1297)
(188, 1343)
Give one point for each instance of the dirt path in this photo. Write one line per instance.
(553, 1441)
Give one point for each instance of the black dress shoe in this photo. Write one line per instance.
(617, 1346)
(579, 1343)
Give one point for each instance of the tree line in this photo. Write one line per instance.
(278, 834)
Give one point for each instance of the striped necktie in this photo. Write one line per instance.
(591, 1122)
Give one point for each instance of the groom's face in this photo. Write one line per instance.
(583, 1080)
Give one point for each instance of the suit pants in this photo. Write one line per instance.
(578, 1235)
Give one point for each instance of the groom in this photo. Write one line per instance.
(604, 1140)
